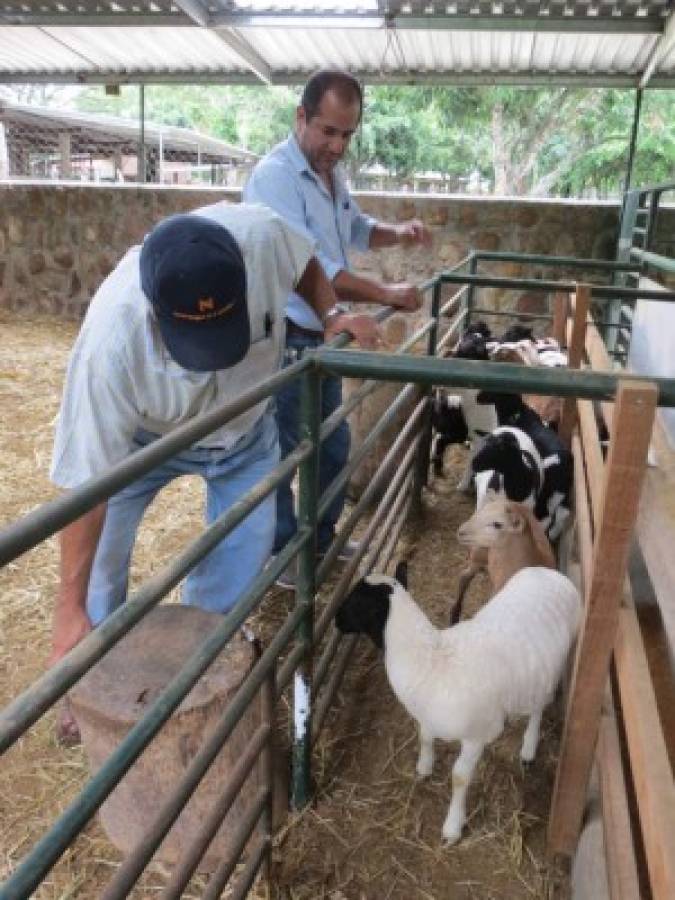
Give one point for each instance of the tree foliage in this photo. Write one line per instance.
(534, 141)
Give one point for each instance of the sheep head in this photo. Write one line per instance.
(365, 609)
(497, 518)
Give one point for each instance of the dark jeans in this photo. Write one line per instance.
(333, 454)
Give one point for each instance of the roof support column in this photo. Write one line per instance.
(141, 132)
(633, 138)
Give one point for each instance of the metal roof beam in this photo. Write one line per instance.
(431, 22)
(199, 13)
(543, 79)
(659, 50)
(444, 22)
(245, 52)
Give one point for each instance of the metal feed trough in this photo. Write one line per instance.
(316, 656)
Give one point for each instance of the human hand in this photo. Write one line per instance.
(69, 629)
(363, 329)
(414, 232)
(403, 296)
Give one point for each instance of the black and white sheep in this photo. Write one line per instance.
(456, 417)
(462, 683)
(552, 506)
(509, 463)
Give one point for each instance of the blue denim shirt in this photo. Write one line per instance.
(285, 181)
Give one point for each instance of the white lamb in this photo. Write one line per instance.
(461, 683)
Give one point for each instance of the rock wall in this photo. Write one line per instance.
(58, 242)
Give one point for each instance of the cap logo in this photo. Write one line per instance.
(207, 309)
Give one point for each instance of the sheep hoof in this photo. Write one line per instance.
(451, 834)
(424, 770)
(527, 757)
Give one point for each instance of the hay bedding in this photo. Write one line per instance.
(374, 831)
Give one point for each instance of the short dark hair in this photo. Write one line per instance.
(345, 85)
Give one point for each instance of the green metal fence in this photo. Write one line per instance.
(305, 649)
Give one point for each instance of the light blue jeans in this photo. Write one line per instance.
(222, 577)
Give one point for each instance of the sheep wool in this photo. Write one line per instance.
(462, 683)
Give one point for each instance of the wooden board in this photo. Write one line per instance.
(650, 766)
(624, 471)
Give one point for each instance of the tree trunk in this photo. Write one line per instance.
(500, 156)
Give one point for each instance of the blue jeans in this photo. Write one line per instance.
(222, 577)
(333, 454)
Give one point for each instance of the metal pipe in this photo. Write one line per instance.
(243, 885)
(655, 260)
(598, 291)
(345, 531)
(335, 487)
(633, 139)
(345, 578)
(249, 820)
(30, 705)
(470, 280)
(512, 313)
(572, 262)
(453, 328)
(50, 517)
(502, 377)
(373, 549)
(133, 865)
(47, 851)
(308, 517)
(185, 868)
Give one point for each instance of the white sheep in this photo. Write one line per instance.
(462, 683)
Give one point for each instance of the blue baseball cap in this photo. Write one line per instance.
(193, 274)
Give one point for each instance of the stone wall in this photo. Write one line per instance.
(57, 243)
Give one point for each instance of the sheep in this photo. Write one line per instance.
(504, 538)
(517, 332)
(508, 462)
(462, 683)
(457, 417)
(552, 507)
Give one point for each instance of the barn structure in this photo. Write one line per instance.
(610, 301)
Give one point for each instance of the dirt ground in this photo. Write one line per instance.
(373, 832)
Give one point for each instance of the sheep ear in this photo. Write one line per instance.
(401, 573)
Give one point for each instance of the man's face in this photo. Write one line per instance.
(325, 137)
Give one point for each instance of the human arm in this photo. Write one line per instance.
(317, 290)
(411, 233)
(78, 543)
(359, 289)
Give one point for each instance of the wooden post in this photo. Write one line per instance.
(624, 472)
(574, 354)
(560, 310)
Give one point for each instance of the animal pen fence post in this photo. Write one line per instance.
(580, 307)
(421, 473)
(623, 475)
(308, 504)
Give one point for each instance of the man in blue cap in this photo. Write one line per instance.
(185, 323)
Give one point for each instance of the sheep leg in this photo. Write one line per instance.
(425, 761)
(531, 737)
(462, 773)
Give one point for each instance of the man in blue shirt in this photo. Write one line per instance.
(301, 180)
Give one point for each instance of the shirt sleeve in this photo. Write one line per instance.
(362, 225)
(273, 186)
(96, 423)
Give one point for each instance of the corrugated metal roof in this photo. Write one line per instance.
(240, 41)
(171, 137)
